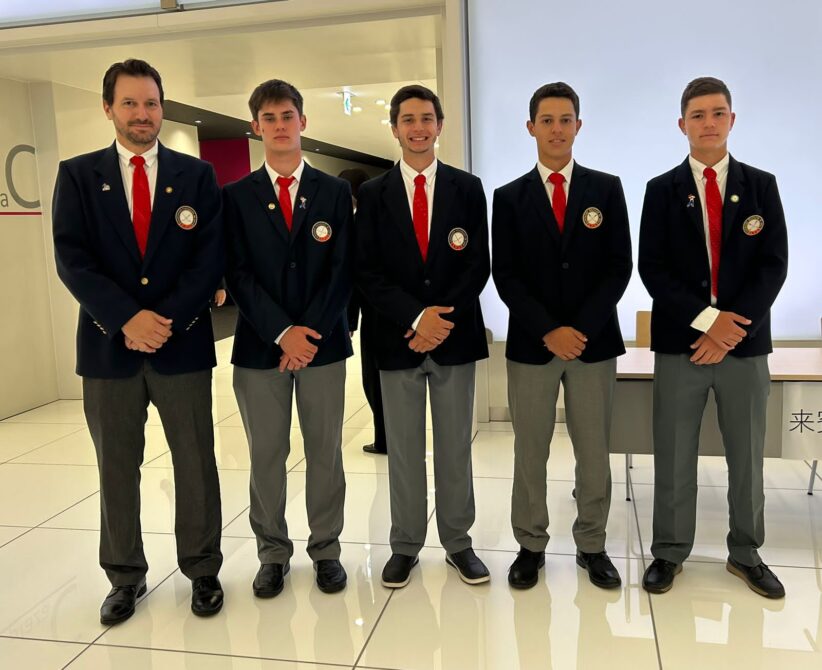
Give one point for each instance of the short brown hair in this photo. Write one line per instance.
(558, 89)
(274, 90)
(703, 86)
(132, 67)
(414, 91)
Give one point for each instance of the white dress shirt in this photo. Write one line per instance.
(408, 175)
(545, 173)
(292, 191)
(127, 171)
(705, 319)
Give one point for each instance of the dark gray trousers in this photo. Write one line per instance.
(116, 411)
(741, 387)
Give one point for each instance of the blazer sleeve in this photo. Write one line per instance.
(464, 292)
(199, 278)
(77, 267)
(385, 296)
(512, 287)
(668, 293)
(768, 273)
(602, 301)
(327, 305)
(255, 304)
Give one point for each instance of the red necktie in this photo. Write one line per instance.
(713, 203)
(285, 199)
(140, 203)
(420, 211)
(558, 201)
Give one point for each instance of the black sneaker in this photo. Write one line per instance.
(601, 571)
(470, 568)
(524, 571)
(397, 572)
(759, 578)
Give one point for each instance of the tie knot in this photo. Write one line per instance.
(419, 180)
(556, 178)
(285, 182)
(138, 161)
(710, 174)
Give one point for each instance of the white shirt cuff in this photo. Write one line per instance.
(417, 320)
(280, 336)
(705, 319)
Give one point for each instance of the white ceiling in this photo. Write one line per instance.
(218, 69)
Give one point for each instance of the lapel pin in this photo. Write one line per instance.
(106, 187)
(169, 189)
(271, 206)
(691, 200)
(303, 201)
(734, 198)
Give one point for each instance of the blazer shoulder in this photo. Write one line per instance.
(602, 177)
(83, 161)
(755, 174)
(662, 180)
(515, 186)
(459, 175)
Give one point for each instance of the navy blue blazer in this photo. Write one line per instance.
(98, 260)
(279, 279)
(549, 280)
(398, 284)
(673, 258)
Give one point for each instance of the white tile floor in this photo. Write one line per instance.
(52, 587)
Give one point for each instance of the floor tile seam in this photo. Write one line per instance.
(89, 645)
(31, 409)
(159, 456)
(642, 559)
(373, 629)
(73, 465)
(54, 516)
(82, 424)
(42, 639)
(112, 645)
(45, 444)
(237, 516)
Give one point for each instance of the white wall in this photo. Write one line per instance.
(26, 351)
(629, 62)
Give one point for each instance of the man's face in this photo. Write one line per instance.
(555, 128)
(279, 125)
(417, 127)
(707, 122)
(136, 112)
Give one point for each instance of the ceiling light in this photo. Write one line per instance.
(248, 132)
(380, 101)
(356, 109)
(197, 121)
(384, 122)
(388, 107)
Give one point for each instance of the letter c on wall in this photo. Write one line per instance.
(19, 149)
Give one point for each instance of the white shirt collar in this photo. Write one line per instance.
(409, 173)
(150, 155)
(545, 172)
(273, 174)
(721, 167)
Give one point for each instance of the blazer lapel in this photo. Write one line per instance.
(734, 192)
(395, 198)
(576, 196)
(305, 198)
(444, 192)
(270, 206)
(167, 190)
(539, 199)
(689, 195)
(113, 200)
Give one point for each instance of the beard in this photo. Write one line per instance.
(141, 136)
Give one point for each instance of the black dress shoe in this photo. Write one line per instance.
(759, 578)
(372, 449)
(269, 581)
(397, 572)
(659, 577)
(331, 575)
(469, 567)
(601, 571)
(524, 571)
(120, 602)
(206, 596)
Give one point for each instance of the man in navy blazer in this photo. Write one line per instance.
(713, 254)
(422, 261)
(288, 228)
(138, 242)
(562, 260)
